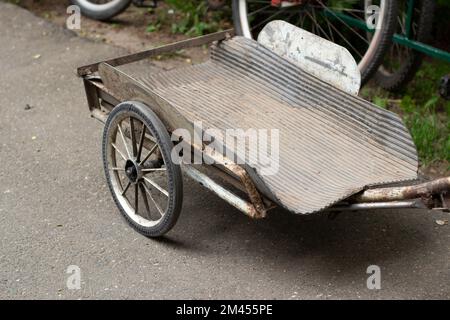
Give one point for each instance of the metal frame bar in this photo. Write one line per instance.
(423, 190)
(189, 43)
(408, 204)
(397, 38)
(246, 207)
(409, 17)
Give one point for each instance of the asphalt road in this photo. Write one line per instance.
(56, 211)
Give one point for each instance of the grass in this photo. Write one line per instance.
(189, 17)
(425, 113)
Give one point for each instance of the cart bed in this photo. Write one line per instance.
(332, 144)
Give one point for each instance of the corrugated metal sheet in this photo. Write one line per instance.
(332, 144)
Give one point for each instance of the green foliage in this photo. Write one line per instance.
(425, 113)
(428, 128)
(191, 17)
(153, 27)
(381, 102)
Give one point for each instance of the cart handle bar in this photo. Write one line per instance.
(189, 43)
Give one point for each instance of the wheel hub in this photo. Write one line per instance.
(132, 171)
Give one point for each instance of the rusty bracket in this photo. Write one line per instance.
(252, 192)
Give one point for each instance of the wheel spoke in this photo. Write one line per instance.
(314, 20)
(259, 10)
(154, 184)
(150, 153)
(124, 141)
(145, 171)
(117, 169)
(329, 29)
(136, 199)
(342, 21)
(141, 142)
(153, 200)
(340, 9)
(144, 198)
(142, 184)
(345, 39)
(268, 19)
(126, 188)
(120, 152)
(133, 137)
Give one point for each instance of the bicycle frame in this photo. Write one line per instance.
(402, 39)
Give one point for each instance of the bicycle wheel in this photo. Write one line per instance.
(344, 22)
(101, 9)
(401, 63)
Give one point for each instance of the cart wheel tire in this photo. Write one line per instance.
(102, 11)
(129, 169)
(396, 80)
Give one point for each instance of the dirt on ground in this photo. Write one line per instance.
(128, 30)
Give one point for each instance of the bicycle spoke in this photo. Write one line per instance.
(319, 28)
(329, 29)
(401, 22)
(259, 10)
(268, 19)
(339, 19)
(314, 20)
(341, 9)
(345, 39)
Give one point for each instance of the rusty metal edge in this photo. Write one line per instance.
(189, 43)
(423, 190)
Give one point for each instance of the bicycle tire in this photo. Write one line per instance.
(102, 12)
(395, 81)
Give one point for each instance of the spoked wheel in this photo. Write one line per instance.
(145, 183)
(401, 63)
(341, 21)
(101, 9)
